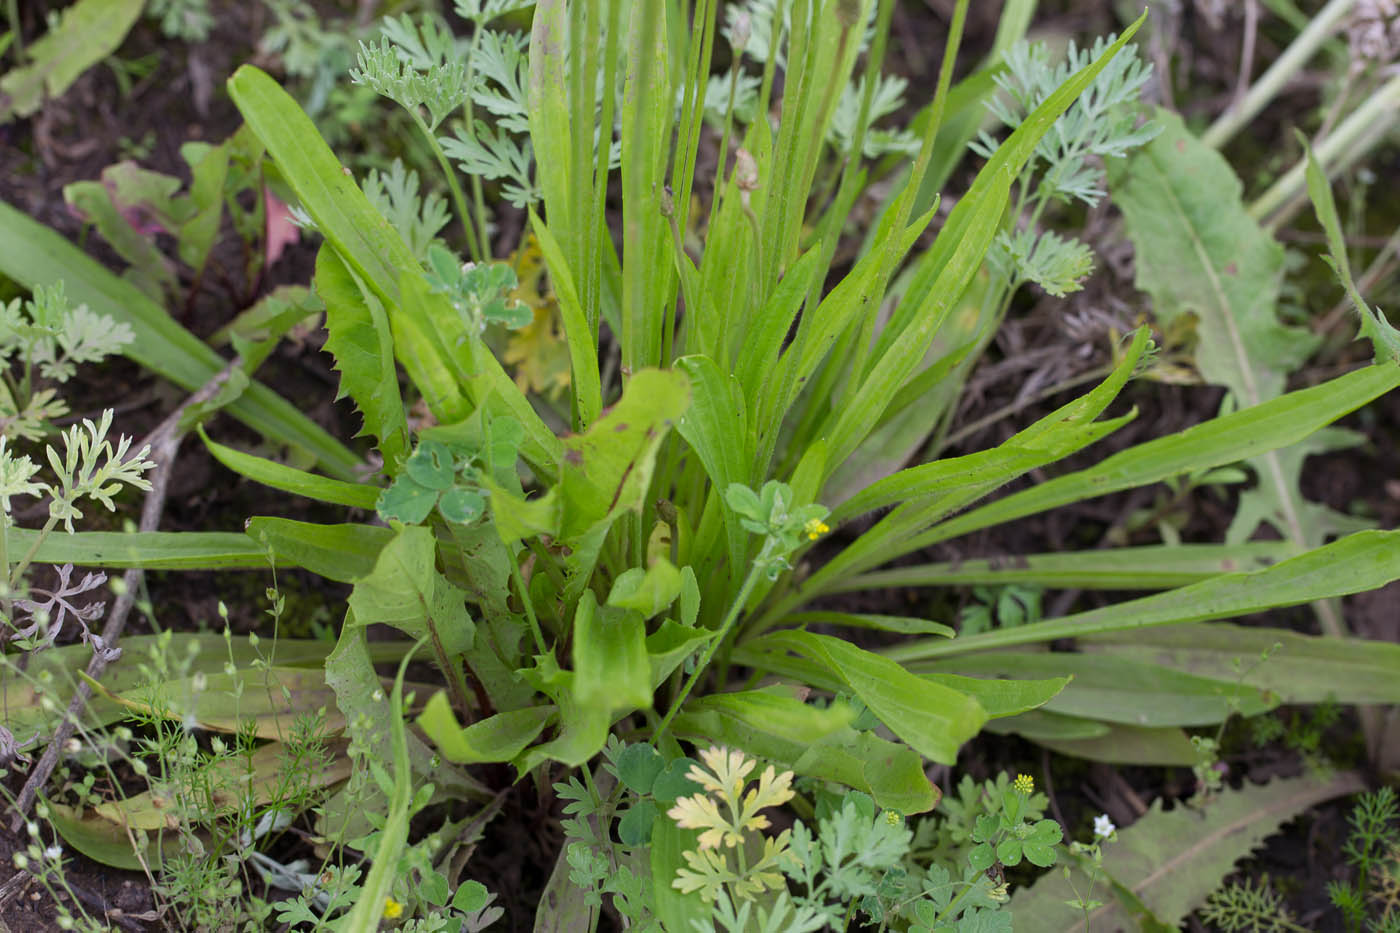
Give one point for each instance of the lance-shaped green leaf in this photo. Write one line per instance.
(359, 338)
(337, 552)
(1363, 561)
(1118, 690)
(935, 720)
(1167, 863)
(87, 32)
(289, 479)
(1298, 668)
(149, 550)
(814, 742)
(1139, 568)
(649, 592)
(496, 738)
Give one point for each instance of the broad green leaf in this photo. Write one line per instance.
(1199, 252)
(231, 783)
(337, 552)
(288, 479)
(611, 669)
(933, 719)
(673, 909)
(87, 32)
(583, 726)
(149, 550)
(497, 738)
(266, 701)
(607, 470)
(1299, 668)
(33, 255)
(670, 645)
(1119, 690)
(1169, 862)
(406, 590)
(650, 591)
(102, 840)
(199, 231)
(638, 766)
(369, 719)
(1139, 568)
(1039, 725)
(358, 337)
(424, 334)
(815, 742)
(1363, 561)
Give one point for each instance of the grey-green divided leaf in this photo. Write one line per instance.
(87, 32)
(1299, 668)
(1168, 862)
(933, 719)
(815, 742)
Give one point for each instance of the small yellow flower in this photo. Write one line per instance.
(815, 528)
(393, 910)
(1024, 783)
(893, 817)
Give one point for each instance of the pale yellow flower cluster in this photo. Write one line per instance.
(728, 770)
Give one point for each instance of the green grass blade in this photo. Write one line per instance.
(33, 255)
(288, 479)
(1139, 568)
(1299, 668)
(1229, 439)
(1366, 560)
(148, 550)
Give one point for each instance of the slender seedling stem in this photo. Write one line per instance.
(1263, 91)
(735, 608)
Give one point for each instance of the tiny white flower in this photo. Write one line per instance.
(53, 852)
(1103, 826)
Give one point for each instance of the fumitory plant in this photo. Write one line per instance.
(635, 559)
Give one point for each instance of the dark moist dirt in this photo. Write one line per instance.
(1044, 342)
